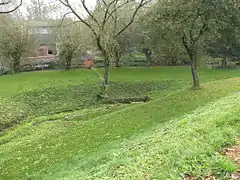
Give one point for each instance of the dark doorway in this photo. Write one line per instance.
(50, 51)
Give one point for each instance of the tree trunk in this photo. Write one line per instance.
(16, 65)
(68, 62)
(192, 53)
(106, 65)
(106, 72)
(224, 62)
(148, 54)
(196, 82)
(148, 58)
(228, 57)
(117, 61)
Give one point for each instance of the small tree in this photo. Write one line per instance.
(70, 42)
(14, 41)
(101, 25)
(4, 3)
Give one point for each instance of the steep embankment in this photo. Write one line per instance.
(118, 142)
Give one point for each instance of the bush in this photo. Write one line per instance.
(135, 59)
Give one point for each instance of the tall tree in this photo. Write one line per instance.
(191, 21)
(101, 27)
(4, 3)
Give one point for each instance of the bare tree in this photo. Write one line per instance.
(4, 3)
(101, 25)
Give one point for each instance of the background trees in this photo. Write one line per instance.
(191, 22)
(70, 42)
(168, 32)
(227, 40)
(14, 41)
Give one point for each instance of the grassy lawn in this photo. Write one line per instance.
(178, 132)
(12, 84)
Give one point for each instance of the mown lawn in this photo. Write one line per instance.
(12, 84)
(178, 132)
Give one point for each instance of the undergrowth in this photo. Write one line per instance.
(53, 100)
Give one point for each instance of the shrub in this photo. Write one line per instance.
(135, 59)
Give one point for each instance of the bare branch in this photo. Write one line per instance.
(104, 2)
(201, 32)
(118, 7)
(4, 3)
(87, 10)
(107, 11)
(141, 4)
(64, 16)
(74, 22)
(66, 3)
(12, 10)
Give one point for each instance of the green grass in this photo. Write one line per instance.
(12, 84)
(53, 100)
(178, 132)
(15, 84)
(187, 145)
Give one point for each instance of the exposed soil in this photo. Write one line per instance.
(189, 177)
(234, 154)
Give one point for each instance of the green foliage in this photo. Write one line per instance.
(59, 99)
(137, 89)
(70, 42)
(134, 59)
(14, 41)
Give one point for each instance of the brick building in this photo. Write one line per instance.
(42, 31)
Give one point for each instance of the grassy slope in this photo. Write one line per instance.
(51, 149)
(187, 145)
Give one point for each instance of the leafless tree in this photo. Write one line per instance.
(100, 21)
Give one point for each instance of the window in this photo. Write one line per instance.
(50, 51)
(43, 31)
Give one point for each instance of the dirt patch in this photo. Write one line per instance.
(234, 154)
(189, 177)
